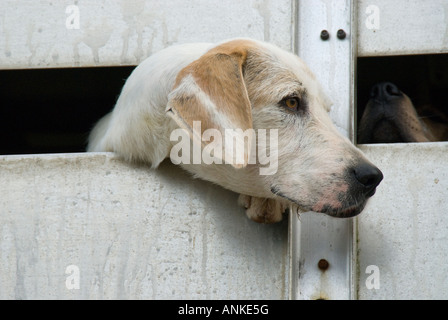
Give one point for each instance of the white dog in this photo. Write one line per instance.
(243, 85)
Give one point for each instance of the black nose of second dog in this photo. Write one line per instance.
(385, 91)
(369, 177)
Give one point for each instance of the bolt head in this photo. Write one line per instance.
(341, 34)
(324, 35)
(323, 264)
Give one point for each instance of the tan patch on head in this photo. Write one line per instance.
(212, 90)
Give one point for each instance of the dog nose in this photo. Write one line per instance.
(368, 176)
(385, 91)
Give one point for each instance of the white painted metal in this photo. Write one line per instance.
(314, 236)
(132, 232)
(404, 229)
(42, 34)
(402, 27)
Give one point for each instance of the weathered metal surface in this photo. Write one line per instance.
(129, 233)
(404, 229)
(402, 27)
(316, 236)
(43, 34)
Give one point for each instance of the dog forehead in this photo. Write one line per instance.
(279, 72)
(280, 60)
(301, 71)
(307, 78)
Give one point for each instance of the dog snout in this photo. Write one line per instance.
(385, 91)
(367, 177)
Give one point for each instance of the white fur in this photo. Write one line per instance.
(138, 128)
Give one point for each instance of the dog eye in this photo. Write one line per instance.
(291, 103)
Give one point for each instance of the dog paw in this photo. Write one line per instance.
(262, 210)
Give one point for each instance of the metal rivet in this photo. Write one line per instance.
(341, 34)
(323, 264)
(324, 35)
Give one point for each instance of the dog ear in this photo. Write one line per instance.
(212, 90)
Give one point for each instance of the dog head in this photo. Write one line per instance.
(272, 101)
(390, 117)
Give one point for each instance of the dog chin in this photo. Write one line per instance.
(345, 211)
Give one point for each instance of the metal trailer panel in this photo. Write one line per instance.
(53, 34)
(404, 229)
(402, 27)
(129, 232)
(317, 236)
(92, 211)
